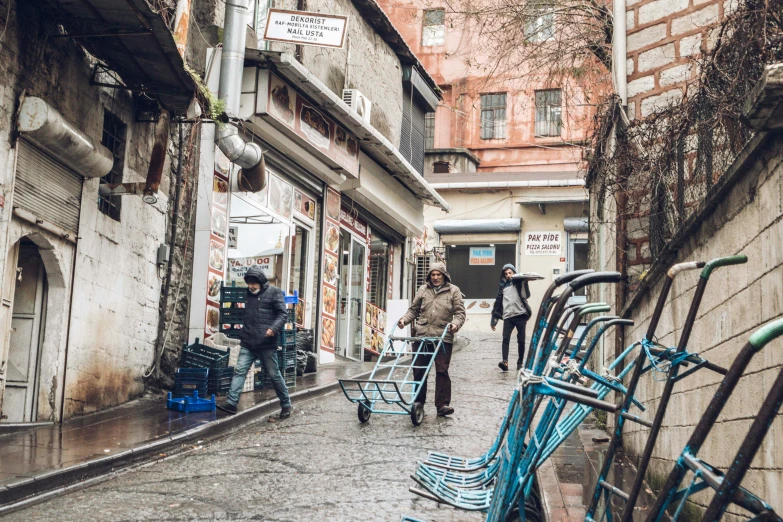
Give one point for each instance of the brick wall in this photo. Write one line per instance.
(737, 301)
(663, 36)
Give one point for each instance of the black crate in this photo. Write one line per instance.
(200, 356)
(263, 380)
(233, 294)
(291, 316)
(188, 380)
(219, 381)
(232, 315)
(286, 358)
(287, 338)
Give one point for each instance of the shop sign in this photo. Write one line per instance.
(354, 224)
(239, 266)
(286, 106)
(482, 256)
(233, 235)
(305, 28)
(543, 243)
(217, 247)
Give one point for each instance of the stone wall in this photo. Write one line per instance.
(738, 300)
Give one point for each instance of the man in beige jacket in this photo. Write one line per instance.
(436, 304)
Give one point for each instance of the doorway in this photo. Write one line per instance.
(20, 402)
(353, 279)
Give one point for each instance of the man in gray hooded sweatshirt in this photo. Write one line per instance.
(511, 306)
(265, 315)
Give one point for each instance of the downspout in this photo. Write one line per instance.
(181, 24)
(252, 177)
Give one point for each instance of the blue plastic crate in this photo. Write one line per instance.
(292, 299)
(191, 404)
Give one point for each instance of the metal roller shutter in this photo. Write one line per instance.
(47, 188)
(412, 139)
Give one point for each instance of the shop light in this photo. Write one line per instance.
(453, 246)
(491, 245)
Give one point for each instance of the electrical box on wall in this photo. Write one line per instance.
(163, 254)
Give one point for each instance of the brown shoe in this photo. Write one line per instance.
(445, 410)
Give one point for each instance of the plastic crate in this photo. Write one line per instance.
(265, 382)
(219, 381)
(233, 294)
(191, 404)
(291, 316)
(201, 356)
(287, 338)
(292, 299)
(232, 315)
(188, 380)
(286, 358)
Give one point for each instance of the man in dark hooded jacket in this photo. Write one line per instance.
(264, 318)
(511, 306)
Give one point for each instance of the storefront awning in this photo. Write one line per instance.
(135, 42)
(473, 226)
(373, 143)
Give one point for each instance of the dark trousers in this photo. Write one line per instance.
(519, 322)
(442, 379)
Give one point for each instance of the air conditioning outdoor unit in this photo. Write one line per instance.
(359, 103)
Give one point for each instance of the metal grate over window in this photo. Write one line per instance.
(433, 31)
(493, 116)
(114, 140)
(422, 269)
(548, 112)
(429, 130)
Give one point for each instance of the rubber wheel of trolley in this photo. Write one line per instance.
(417, 413)
(364, 412)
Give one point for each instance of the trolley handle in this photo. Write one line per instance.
(766, 333)
(570, 276)
(594, 309)
(594, 278)
(722, 261)
(682, 267)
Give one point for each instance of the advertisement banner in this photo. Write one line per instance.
(543, 243)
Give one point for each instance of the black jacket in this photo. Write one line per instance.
(263, 311)
(497, 310)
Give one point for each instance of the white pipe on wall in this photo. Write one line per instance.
(619, 51)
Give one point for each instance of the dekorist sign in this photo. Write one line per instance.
(305, 28)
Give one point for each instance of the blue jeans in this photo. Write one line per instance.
(268, 358)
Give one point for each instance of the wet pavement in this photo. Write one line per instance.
(321, 464)
(83, 440)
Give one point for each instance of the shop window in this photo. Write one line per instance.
(577, 260)
(297, 280)
(493, 116)
(476, 268)
(433, 31)
(540, 21)
(379, 272)
(113, 138)
(429, 130)
(548, 112)
(441, 167)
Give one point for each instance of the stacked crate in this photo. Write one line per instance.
(203, 369)
(286, 351)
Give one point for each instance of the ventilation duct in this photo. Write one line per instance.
(49, 130)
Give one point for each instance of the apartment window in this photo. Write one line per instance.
(433, 31)
(429, 130)
(441, 167)
(548, 112)
(493, 116)
(540, 21)
(114, 140)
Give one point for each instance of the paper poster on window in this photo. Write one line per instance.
(482, 256)
(543, 243)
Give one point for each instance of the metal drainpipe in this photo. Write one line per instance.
(619, 51)
(247, 155)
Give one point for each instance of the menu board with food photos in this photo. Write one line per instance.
(374, 328)
(331, 244)
(217, 251)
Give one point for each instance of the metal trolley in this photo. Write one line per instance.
(392, 387)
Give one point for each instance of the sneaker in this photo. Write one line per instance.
(503, 365)
(519, 365)
(445, 410)
(228, 408)
(285, 413)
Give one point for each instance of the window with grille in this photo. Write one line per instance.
(429, 130)
(548, 112)
(422, 269)
(493, 116)
(433, 31)
(113, 139)
(540, 21)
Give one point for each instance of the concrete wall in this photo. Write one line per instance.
(737, 301)
(116, 289)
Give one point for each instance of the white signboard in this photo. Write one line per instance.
(238, 266)
(543, 243)
(305, 28)
(233, 234)
(482, 256)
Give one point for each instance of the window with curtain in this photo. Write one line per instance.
(548, 112)
(493, 116)
(433, 31)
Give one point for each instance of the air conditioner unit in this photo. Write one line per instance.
(359, 103)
